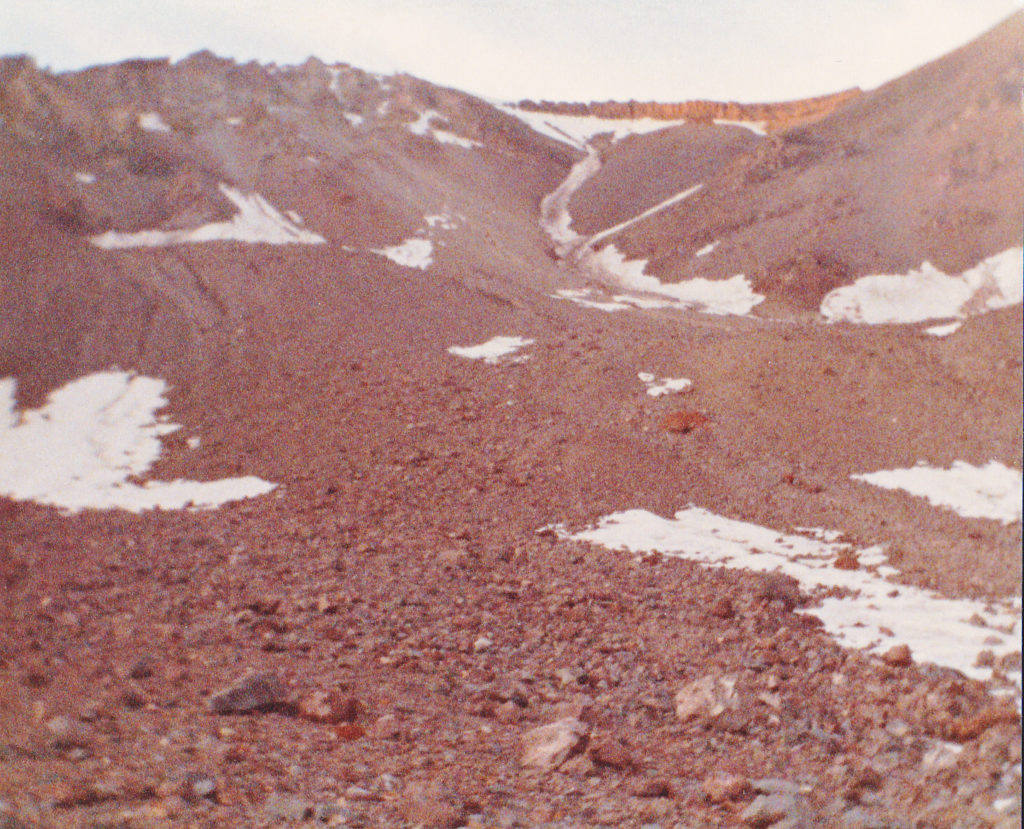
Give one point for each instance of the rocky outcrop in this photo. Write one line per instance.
(775, 115)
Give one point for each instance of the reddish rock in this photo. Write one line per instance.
(898, 656)
(349, 732)
(846, 560)
(683, 421)
(726, 789)
(329, 707)
(611, 753)
(653, 787)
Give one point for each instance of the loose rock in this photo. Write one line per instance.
(257, 691)
(726, 789)
(767, 809)
(329, 707)
(708, 696)
(897, 656)
(432, 806)
(551, 745)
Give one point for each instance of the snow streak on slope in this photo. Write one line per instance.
(577, 130)
(992, 491)
(256, 222)
(879, 614)
(678, 197)
(491, 351)
(928, 293)
(95, 433)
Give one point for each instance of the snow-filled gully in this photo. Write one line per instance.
(723, 297)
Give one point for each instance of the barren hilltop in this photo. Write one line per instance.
(375, 455)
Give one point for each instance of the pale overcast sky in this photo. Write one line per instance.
(508, 49)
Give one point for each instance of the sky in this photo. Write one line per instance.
(747, 50)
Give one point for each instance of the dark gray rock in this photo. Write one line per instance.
(257, 691)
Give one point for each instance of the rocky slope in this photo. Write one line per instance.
(404, 631)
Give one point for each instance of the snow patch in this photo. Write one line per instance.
(80, 449)
(422, 127)
(577, 130)
(152, 122)
(256, 222)
(233, 121)
(928, 293)
(991, 491)
(418, 252)
(85, 178)
(412, 253)
(491, 351)
(879, 614)
(354, 118)
(657, 388)
(704, 251)
(945, 329)
(756, 127)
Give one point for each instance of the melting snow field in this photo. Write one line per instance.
(79, 450)
(879, 614)
(491, 351)
(732, 296)
(991, 491)
(929, 294)
(256, 222)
